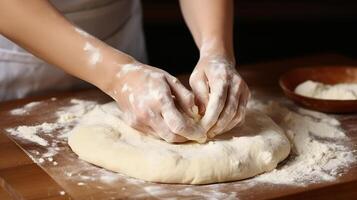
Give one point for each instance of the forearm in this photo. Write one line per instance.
(39, 28)
(211, 24)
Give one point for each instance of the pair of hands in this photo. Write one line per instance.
(154, 101)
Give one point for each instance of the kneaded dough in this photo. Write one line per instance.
(101, 138)
(317, 90)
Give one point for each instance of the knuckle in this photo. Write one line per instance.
(189, 98)
(175, 80)
(163, 100)
(239, 118)
(225, 83)
(234, 92)
(157, 75)
(160, 75)
(200, 87)
(141, 116)
(239, 121)
(244, 85)
(249, 95)
(241, 87)
(193, 79)
(219, 86)
(160, 98)
(224, 75)
(237, 79)
(145, 115)
(230, 112)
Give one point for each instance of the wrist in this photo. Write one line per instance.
(107, 77)
(216, 48)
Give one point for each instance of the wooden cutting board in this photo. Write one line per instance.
(21, 178)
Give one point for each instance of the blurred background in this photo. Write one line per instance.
(264, 31)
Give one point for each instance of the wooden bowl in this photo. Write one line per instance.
(327, 75)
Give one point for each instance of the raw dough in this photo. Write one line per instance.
(103, 139)
(343, 91)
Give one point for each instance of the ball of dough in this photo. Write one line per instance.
(101, 138)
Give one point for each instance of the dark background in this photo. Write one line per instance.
(264, 31)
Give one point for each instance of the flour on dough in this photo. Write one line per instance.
(342, 91)
(101, 138)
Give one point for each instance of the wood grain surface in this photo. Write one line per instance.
(21, 178)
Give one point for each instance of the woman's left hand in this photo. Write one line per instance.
(220, 92)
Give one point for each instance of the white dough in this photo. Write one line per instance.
(343, 91)
(103, 139)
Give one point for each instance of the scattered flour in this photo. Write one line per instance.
(50, 152)
(41, 160)
(321, 152)
(108, 178)
(72, 113)
(66, 116)
(126, 88)
(40, 134)
(28, 133)
(25, 109)
(211, 194)
(319, 146)
(127, 68)
(94, 53)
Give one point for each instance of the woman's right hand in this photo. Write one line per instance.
(153, 101)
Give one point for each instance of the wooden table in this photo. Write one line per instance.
(21, 178)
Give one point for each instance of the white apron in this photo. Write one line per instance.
(117, 22)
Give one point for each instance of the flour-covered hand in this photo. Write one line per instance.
(151, 100)
(220, 92)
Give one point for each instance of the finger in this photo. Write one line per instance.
(141, 122)
(228, 112)
(217, 100)
(180, 124)
(145, 129)
(135, 123)
(240, 115)
(184, 97)
(199, 85)
(162, 130)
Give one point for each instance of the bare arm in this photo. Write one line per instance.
(218, 88)
(144, 93)
(41, 29)
(211, 24)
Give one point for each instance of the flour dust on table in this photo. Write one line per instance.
(321, 152)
